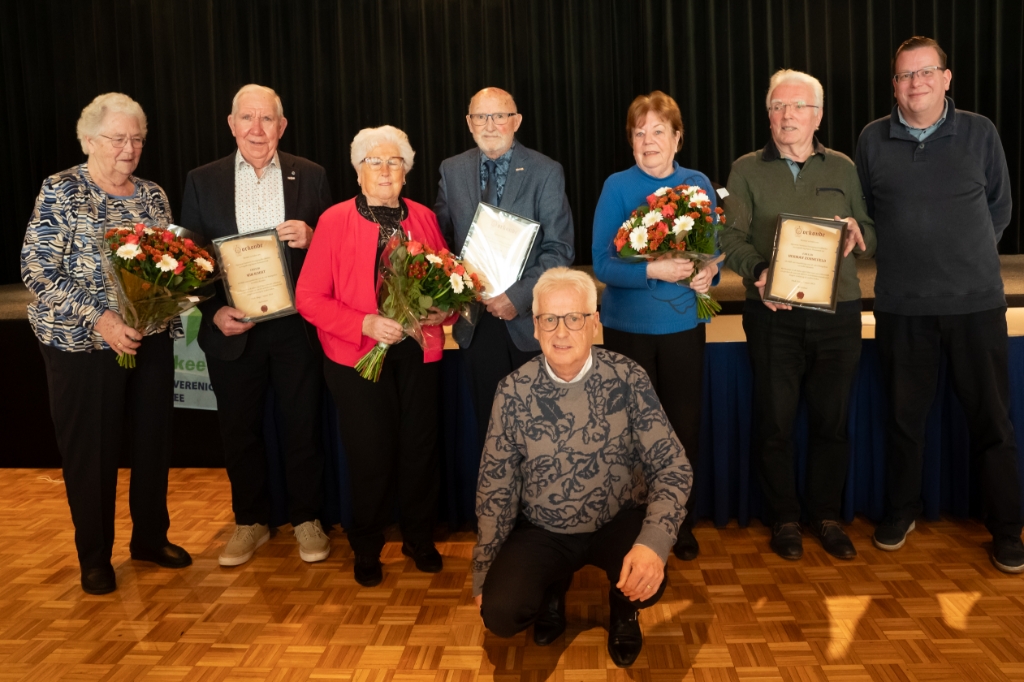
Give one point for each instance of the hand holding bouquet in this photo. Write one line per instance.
(676, 222)
(154, 273)
(413, 280)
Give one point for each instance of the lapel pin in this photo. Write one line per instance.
(519, 169)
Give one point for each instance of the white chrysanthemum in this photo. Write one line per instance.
(203, 264)
(436, 260)
(167, 263)
(652, 218)
(467, 280)
(628, 224)
(128, 251)
(683, 223)
(698, 198)
(662, 191)
(638, 238)
(457, 284)
(147, 230)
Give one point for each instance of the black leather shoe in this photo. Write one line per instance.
(168, 556)
(426, 557)
(787, 541)
(550, 623)
(625, 640)
(835, 540)
(99, 580)
(687, 548)
(368, 571)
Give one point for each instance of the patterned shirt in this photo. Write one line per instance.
(501, 163)
(259, 202)
(568, 457)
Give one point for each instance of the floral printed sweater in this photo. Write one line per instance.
(569, 457)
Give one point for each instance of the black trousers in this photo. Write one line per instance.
(532, 559)
(909, 348)
(389, 430)
(819, 352)
(675, 364)
(101, 410)
(491, 357)
(277, 353)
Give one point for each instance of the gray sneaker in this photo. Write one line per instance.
(314, 545)
(243, 543)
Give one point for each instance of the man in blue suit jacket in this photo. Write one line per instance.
(503, 173)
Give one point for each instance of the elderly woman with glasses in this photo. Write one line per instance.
(388, 428)
(102, 414)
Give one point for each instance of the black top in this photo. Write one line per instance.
(388, 219)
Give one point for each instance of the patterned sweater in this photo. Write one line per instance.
(569, 457)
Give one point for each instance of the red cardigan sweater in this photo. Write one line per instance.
(336, 288)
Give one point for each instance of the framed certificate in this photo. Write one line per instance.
(256, 274)
(804, 269)
(497, 247)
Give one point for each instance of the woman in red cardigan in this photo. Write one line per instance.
(388, 428)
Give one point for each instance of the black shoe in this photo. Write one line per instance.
(892, 533)
(625, 640)
(168, 556)
(368, 571)
(99, 580)
(787, 541)
(687, 548)
(550, 623)
(834, 539)
(1008, 554)
(426, 557)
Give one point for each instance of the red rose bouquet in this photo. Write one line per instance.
(154, 272)
(676, 222)
(413, 279)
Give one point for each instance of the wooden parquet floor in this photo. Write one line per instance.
(937, 610)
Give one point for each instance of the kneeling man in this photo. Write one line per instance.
(580, 466)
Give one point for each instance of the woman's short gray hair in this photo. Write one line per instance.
(253, 87)
(562, 277)
(368, 138)
(783, 76)
(95, 112)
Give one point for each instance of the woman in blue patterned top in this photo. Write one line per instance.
(102, 414)
(647, 316)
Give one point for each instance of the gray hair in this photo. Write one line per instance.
(563, 277)
(253, 87)
(96, 111)
(783, 76)
(368, 138)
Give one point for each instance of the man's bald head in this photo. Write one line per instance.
(493, 120)
(502, 96)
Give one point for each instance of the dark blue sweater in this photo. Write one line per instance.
(940, 207)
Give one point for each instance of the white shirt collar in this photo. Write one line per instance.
(586, 368)
(240, 161)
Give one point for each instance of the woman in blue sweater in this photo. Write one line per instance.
(647, 316)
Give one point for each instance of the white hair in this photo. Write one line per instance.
(783, 76)
(95, 112)
(368, 138)
(563, 277)
(262, 89)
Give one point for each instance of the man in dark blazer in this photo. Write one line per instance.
(504, 173)
(252, 189)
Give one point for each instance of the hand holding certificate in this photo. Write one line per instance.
(804, 269)
(497, 247)
(257, 279)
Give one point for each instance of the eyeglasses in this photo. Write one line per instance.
(119, 141)
(777, 107)
(375, 162)
(481, 119)
(926, 73)
(573, 321)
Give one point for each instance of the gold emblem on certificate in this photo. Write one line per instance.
(256, 274)
(804, 269)
(497, 247)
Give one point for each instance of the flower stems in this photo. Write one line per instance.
(370, 365)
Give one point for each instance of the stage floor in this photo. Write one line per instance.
(936, 610)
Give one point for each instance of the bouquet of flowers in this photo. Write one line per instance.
(414, 278)
(154, 272)
(675, 222)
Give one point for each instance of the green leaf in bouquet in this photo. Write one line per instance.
(426, 302)
(627, 251)
(176, 280)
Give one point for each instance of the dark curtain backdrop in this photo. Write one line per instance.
(573, 65)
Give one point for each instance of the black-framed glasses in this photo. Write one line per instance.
(573, 321)
(119, 141)
(481, 119)
(375, 162)
(777, 107)
(925, 73)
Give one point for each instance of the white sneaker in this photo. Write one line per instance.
(243, 543)
(314, 545)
